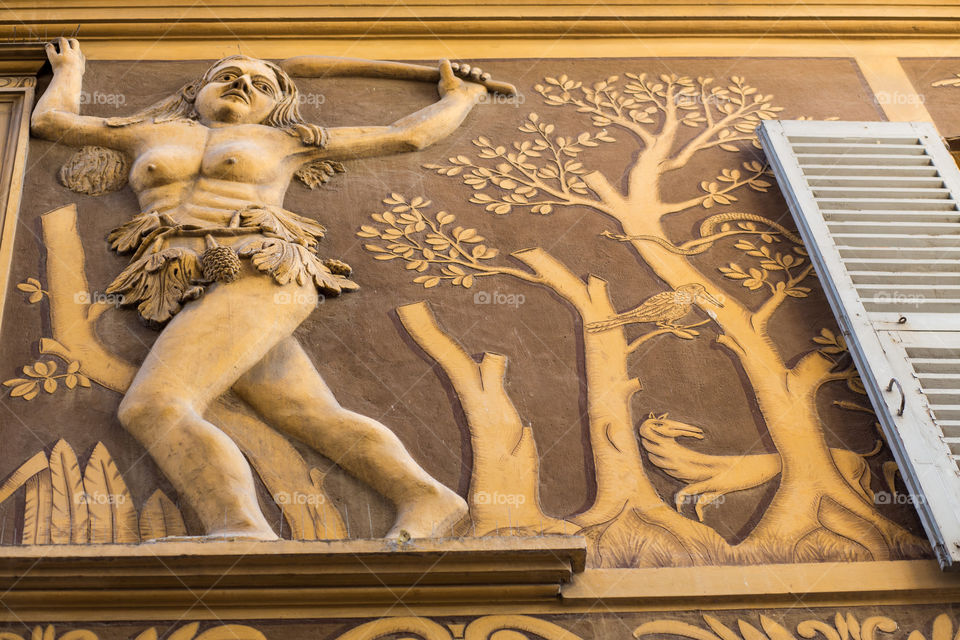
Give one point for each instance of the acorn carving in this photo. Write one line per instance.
(338, 267)
(219, 263)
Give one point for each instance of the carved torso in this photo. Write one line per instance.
(202, 175)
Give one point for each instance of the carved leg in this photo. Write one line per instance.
(291, 395)
(197, 357)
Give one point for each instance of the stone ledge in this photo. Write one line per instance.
(729, 587)
(154, 580)
(22, 58)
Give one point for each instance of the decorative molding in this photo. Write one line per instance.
(245, 579)
(183, 20)
(22, 58)
(815, 584)
(16, 102)
(857, 625)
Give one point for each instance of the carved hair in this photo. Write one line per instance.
(180, 106)
(95, 171)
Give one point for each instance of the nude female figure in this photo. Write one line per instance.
(211, 165)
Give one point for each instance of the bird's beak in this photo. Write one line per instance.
(709, 298)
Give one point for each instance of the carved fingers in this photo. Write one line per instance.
(65, 53)
(467, 72)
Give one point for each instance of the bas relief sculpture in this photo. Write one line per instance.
(227, 274)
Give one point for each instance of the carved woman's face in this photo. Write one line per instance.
(239, 91)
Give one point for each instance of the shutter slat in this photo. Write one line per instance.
(894, 227)
(887, 215)
(850, 158)
(923, 182)
(932, 255)
(880, 241)
(909, 204)
(831, 148)
(873, 191)
(833, 170)
(931, 278)
(902, 265)
(876, 205)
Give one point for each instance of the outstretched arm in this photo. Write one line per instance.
(414, 132)
(56, 116)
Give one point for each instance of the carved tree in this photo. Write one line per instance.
(821, 509)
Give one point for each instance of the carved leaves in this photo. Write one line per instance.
(833, 344)
(646, 102)
(160, 518)
(836, 345)
(841, 627)
(70, 520)
(719, 190)
(64, 504)
(948, 82)
(33, 288)
(160, 282)
(792, 267)
(772, 630)
(46, 375)
(534, 174)
(186, 632)
(429, 244)
(113, 517)
(290, 262)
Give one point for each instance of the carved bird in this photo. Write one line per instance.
(663, 308)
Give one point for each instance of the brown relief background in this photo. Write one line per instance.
(373, 366)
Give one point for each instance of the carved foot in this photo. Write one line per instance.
(430, 516)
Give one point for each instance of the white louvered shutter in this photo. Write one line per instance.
(877, 206)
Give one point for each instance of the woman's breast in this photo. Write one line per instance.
(240, 161)
(164, 165)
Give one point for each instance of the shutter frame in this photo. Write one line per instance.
(876, 340)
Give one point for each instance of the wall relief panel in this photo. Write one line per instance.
(581, 308)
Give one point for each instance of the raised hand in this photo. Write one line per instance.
(450, 82)
(65, 54)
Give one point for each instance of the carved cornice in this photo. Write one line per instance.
(178, 19)
(149, 581)
(21, 58)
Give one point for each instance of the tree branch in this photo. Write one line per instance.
(676, 207)
(659, 332)
(762, 316)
